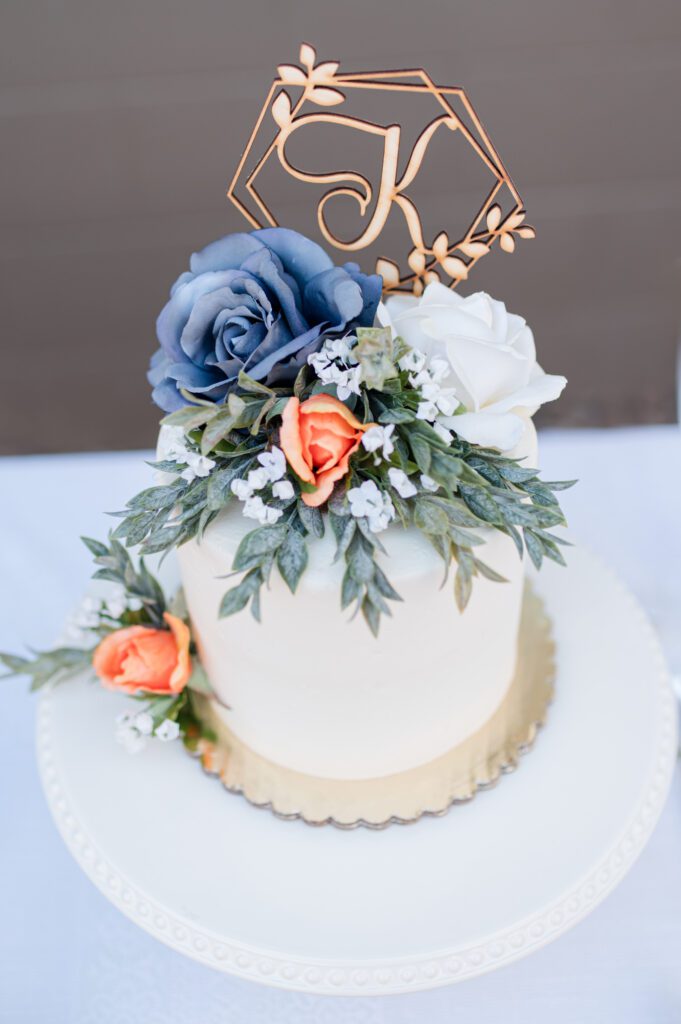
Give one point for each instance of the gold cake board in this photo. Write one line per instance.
(429, 789)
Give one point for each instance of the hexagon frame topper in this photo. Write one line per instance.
(322, 86)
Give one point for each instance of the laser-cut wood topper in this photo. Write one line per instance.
(500, 217)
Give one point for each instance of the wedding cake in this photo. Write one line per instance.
(348, 474)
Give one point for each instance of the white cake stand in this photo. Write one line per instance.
(415, 906)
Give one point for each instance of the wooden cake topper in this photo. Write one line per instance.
(499, 217)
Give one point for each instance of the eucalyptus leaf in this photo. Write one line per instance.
(429, 517)
(481, 504)
(238, 597)
(292, 559)
(257, 545)
(311, 518)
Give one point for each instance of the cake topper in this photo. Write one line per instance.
(299, 98)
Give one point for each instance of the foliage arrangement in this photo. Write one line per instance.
(132, 638)
(406, 466)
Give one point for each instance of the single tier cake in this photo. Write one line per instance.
(313, 690)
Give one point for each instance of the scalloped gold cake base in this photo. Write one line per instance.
(429, 789)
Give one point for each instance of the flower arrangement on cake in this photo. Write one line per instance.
(308, 398)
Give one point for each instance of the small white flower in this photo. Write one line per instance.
(364, 499)
(175, 445)
(274, 463)
(341, 349)
(335, 364)
(167, 730)
(439, 369)
(117, 604)
(401, 482)
(242, 489)
(144, 723)
(381, 520)
(258, 478)
(348, 382)
(427, 411)
(197, 466)
(442, 432)
(283, 489)
(429, 484)
(379, 437)
(413, 361)
(368, 501)
(255, 508)
(272, 515)
(130, 738)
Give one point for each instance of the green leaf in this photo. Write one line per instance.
(487, 470)
(481, 503)
(384, 585)
(445, 469)
(489, 573)
(344, 528)
(14, 663)
(190, 417)
(360, 559)
(372, 615)
(350, 590)
(95, 547)
(48, 666)
(222, 424)
(421, 451)
(430, 517)
(540, 494)
(218, 493)
(238, 597)
(559, 485)
(549, 545)
(515, 536)
(257, 545)
(300, 382)
(198, 680)
(154, 499)
(535, 548)
(292, 559)
(396, 414)
(463, 587)
(254, 387)
(311, 518)
(516, 474)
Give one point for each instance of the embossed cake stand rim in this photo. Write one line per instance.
(528, 890)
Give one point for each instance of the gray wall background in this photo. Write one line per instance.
(122, 122)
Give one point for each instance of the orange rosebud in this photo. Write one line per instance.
(318, 437)
(142, 658)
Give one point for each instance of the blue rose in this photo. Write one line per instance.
(259, 302)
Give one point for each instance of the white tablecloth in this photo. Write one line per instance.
(68, 957)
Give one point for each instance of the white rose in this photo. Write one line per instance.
(491, 356)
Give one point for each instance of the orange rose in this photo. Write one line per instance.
(318, 438)
(142, 658)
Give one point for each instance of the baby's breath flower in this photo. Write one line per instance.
(168, 730)
(428, 484)
(376, 438)
(255, 508)
(368, 501)
(258, 478)
(283, 489)
(241, 489)
(401, 482)
(274, 464)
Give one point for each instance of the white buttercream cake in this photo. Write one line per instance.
(311, 689)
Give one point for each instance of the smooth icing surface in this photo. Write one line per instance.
(310, 689)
